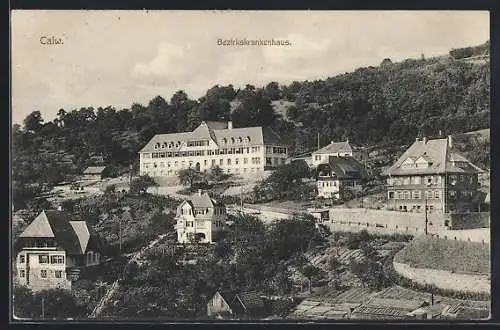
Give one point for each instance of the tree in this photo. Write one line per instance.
(33, 122)
(141, 184)
(217, 174)
(189, 176)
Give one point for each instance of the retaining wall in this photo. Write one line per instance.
(445, 279)
(470, 220)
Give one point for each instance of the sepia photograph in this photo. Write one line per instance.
(270, 166)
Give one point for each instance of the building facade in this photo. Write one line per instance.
(52, 249)
(431, 177)
(336, 149)
(200, 218)
(339, 177)
(236, 150)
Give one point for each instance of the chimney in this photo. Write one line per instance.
(425, 139)
(347, 140)
(417, 139)
(59, 208)
(450, 141)
(200, 192)
(440, 133)
(229, 125)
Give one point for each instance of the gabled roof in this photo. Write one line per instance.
(217, 132)
(344, 167)
(198, 200)
(335, 147)
(250, 300)
(75, 237)
(94, 170)
(438, 153)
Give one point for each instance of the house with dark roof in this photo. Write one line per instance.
(200, 219)
(230, 304)
(93, 173)
(340, 176)
(243, 151)
(430, 176)
(337, 149)
(52, 249)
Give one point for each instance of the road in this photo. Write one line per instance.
(107, 296)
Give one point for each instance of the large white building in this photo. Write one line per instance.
(200, 218)
(236, 150)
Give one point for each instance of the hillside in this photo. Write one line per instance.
(383, 107)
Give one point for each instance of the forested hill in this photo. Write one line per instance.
(385, 105)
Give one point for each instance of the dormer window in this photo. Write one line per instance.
(224, 140)
(248, 139)
(157, 145)
(232, 140)
(240, 139)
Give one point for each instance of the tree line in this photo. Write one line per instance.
(372, 106)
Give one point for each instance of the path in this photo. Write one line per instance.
(107, 296)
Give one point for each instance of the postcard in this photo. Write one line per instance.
(271, 166)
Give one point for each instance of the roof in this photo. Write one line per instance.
(439, 155)
(345, 167)
(250, 300)
(219, 133)
(75, 237)
(202, 200)
(335, 147)
(94, 170)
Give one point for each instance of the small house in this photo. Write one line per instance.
(93, 173)
(228, 304)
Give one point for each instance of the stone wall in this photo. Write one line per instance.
(445, 279)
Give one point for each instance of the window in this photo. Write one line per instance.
(416, 180)
(407, 195)
(58, 273)
(21, 259)
(22, 273)
(213, 162)
(43, 273)
(221, 162)
(229, 161)
(205, 162)
(56, 259)
(245, 160)
(317, 157)
(43, 259)
(189, 223)
(429, 194)
(268, 161)
(236, 161)
(437, 194)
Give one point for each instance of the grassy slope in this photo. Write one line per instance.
(450, 255)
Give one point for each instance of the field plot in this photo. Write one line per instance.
(450, 255)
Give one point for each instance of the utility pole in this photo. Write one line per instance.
(318, 141)
(120, 229)
(43, 308)
(426, 218)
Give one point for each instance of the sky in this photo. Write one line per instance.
(117, 58)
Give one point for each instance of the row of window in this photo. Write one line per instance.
(217, 211)
(327, 183)
(43, 273)
(318, 157)
(433, 180)
(44, 259)
(275, 150)
(407, 180)
(194, 153)
(415, 208)
(415, 194)
(229, 162)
